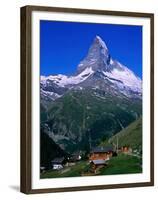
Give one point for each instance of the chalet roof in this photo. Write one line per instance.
(102, 149)
(99, 162)
(58, 160)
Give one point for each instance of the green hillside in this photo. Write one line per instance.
(131, 136)
(123, 164)
(79, 116)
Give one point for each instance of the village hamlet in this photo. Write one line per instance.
(98, 161)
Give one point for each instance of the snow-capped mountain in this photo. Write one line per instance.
(97, 70)
(101, 98)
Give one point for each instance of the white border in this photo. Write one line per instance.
(38, 183)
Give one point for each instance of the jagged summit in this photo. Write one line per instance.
(98, 56)
(99, 41)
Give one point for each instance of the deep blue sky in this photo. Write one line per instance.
(64, 44)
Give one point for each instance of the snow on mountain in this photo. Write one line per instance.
(127, 77)
(63, 80)
(98, 60)
(52, 95)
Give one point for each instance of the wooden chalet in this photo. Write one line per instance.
(97, 164)
(58, 163)
(101, 153)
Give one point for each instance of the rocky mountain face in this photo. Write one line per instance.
(100, 99)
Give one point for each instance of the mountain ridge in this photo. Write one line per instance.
(98, 60)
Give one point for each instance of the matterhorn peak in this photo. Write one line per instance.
(97, 70)
(101, 43)
(98, 56)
